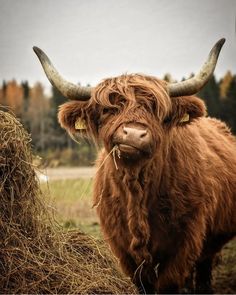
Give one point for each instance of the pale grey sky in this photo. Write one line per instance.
(88, 40)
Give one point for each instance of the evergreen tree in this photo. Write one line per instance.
(228, 110)
(26, 92)
(211, 95)
(59, 138)
(4, 88)
(168, 78)
(26, 89)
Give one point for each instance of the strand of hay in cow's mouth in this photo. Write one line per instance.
(35, 255)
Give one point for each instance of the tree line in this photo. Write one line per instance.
(38, 114)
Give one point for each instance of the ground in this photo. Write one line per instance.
(68, 192)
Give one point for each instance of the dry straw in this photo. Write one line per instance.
(36, 255)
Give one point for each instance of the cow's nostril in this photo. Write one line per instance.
(143, 133)
(125, 131)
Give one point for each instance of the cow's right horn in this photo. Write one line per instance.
(194, 84)
(67, 89)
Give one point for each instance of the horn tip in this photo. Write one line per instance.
(221, 42)
(36, 49)
(215, 51)
(41, 55)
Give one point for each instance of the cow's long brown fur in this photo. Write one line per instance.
(174, 208)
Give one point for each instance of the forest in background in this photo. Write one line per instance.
(38, 114)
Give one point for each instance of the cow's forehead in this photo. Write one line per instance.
(132, 88)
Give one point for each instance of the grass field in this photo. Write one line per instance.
(72, 203)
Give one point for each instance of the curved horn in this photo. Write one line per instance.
(67, 89)
(194, 84)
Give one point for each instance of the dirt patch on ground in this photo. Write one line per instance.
(51, 174)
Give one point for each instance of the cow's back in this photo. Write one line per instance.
(205, 158)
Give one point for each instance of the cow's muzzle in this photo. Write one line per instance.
(133, 141)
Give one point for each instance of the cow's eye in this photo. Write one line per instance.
(105, 111)
(109, 111)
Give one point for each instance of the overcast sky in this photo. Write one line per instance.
(88, 40)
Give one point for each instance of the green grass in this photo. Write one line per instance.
(72, 203)
(70, 189)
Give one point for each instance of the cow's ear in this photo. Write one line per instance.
(185, 110)
(72, 116)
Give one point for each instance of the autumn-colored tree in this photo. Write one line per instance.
(14, 97)
(37, 115)
(225, 84)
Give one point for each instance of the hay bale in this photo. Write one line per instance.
(36, 256)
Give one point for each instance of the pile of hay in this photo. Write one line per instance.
(36, 256)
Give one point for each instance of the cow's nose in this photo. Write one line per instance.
(139, 135)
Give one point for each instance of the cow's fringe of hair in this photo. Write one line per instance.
(134, 87)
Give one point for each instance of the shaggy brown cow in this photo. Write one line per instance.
(165, 189)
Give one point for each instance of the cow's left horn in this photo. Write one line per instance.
(67, 89)
(194, 84)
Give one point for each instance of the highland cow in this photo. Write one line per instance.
(165, 190)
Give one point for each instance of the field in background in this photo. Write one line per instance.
(71, 199)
